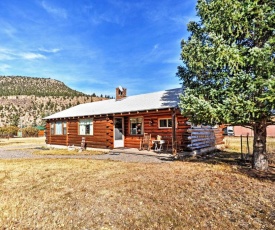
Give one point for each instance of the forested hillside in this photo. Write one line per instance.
(17, 85)
(26, 100)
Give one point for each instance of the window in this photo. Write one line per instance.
(136, 125)
(86, 127)
(58, 128)
(52, 128)
(165, 123)
(64, 128)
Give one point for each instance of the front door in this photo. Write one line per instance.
(118, 132)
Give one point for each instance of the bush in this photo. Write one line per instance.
(30, 132)
(9, 131)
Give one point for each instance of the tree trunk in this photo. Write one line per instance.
(259, 159)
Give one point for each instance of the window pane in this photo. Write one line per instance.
(52, 128)
(163, 123)
(86, 127)
(64, 128)
(118, 129)
(58, 128)
(169, 122)
(81, 129)
(136, 125)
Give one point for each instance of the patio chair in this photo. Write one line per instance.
(145, 142)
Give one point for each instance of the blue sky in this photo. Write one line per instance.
(94, 46)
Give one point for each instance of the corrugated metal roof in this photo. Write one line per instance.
(150, 101)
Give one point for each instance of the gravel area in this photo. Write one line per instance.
(25, 152)
(134, 157)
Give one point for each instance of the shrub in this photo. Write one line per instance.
(30, 132)
(8, 130)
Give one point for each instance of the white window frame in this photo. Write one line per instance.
(167, 123)
(83, 124)
(134, 130)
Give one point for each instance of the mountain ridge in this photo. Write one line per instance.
(24, 101)
(21, 85)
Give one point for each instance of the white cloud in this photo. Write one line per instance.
(6, 54)
(61, 13)
(4, 67)
(156, 46)
(9, 54)
(55, 50)
(154, 54)
(109, 17)
(31, 56)
(7, 29)
(5, 57)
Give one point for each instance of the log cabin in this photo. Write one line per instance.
(121, 122)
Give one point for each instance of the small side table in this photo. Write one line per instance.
(158, 145)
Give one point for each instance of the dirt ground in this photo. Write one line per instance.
(24, 148)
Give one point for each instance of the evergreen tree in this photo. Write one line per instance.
(229, 65)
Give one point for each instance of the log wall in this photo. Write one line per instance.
(204, 139)
(151, 126)
(102, 137)
(103, 133)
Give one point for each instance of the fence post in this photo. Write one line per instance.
(247, 142)
(242, 156)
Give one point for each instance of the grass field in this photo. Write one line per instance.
(22, 141)
(94, 194)
(234, 144)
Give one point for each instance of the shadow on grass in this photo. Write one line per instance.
(234, 159)
(265, 175)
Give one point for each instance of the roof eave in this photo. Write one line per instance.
(112, 114)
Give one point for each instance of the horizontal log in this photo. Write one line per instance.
(200, 137)
(203, 140)
(200, 130)
(201, 144)
(204, 127)
(199, 147)
(204, 136)
(203, 150)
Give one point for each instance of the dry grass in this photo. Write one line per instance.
(234, 144)
(89, 194)
(17, 143)
(49, 151)
(22, 141)
(206, 193)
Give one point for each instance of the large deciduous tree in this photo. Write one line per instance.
(228, 70)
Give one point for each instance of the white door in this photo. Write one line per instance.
(118, 132)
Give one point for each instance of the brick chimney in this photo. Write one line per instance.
(120, 93)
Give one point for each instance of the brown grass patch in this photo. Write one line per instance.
(234, 144)
(48, 151)
(22, 141)
(88, 194)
